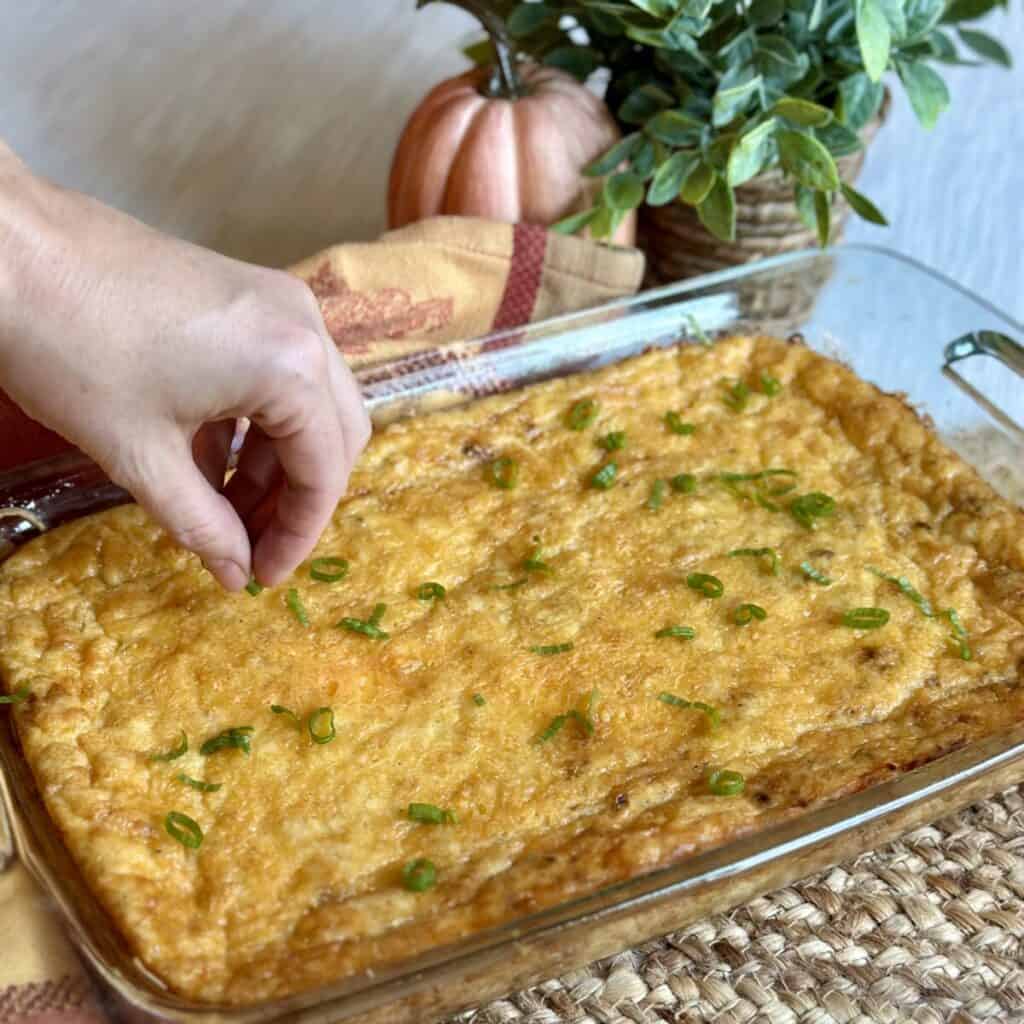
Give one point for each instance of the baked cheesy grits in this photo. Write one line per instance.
(551, 640)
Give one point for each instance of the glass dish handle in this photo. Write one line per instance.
(985, 343)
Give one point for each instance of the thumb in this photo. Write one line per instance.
(168, 484)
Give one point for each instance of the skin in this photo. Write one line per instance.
(144, 350)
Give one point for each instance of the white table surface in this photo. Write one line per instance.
(266, 130)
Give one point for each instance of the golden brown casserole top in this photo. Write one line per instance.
(542, 699)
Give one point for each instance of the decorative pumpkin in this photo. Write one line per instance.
(504, 142)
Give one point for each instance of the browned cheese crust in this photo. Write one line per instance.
(125, 641)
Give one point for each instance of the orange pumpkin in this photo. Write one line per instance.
(510, 151)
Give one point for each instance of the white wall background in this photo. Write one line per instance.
(266, 129)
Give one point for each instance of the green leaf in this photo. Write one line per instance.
(480, 52)
(922, 17)
(669, 177)
(969, 10)
(624, 191)
(575, 222)
(862, 206)
(779, 61)
(816, 15)
(527, 18)
(579, 61)
(897, 19)
(644, 103)
(643, 160)
(807, 160)
(610, 159)
(717, 211)
(804, 198)
(823, 217)
(730, 102)
(763, 13)
(802, 112)
(605, 23)
(655, 8)
(750, 154)
(942, 47)
(873, 37)
(860, 99)
(601, 225)
(985, 46)
(838, 139)
(697, 184)
(674, 127)
(927, 91)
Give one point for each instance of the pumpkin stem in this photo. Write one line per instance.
(507, 82)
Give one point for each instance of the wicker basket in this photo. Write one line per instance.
(767, 223)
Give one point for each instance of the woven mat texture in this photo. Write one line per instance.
(926, 930)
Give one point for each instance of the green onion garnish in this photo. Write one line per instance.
(236, 737)
(657, 495)
(760, 480)
(714, 719)
(175, 752)
(254, 588)
(515, 585)
(321, 725)
(428, 814)
(769, 553)
(736, 396)
(294, 602)
(582, 718)
(676, 425)
(815, 574)
(203, 787)
(679, 632)
(603, 479)
(369, 627)
(582, 414)
(552, 648)
(430, 592)
(479, 700)
(907, 589)
(865, 618)
(770, 386)
(613, 441)
(697, 329)
(280, 709)
(181, 827)
(17, 696)
(808, 508)
(419, 875)
(709, 586)
(503, 472)
(553, 729)
(761, 474)
(725, 782)
(746, 613)
(328, 570)
(960, 637)
(534, 563)
(684, 483)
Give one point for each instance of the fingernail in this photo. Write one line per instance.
(230, 574)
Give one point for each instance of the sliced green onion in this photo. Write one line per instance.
(534, 563)
(761, 484)
(583, 719)
(479, 700)
(430, 592)
(770, 386)
(552, 648)
(676, 425)
(679, 632)
(907, 589)
(736, 396)
(203, 787)
(603, 479)
(746, 613)
(503, 472)
(515, 585)
(369, 627)
(175, 752)
(253, 588)
(960, 636)
(697, 329)
(582, 414)
(761, 474)
(769, 553)
(724, 782)
(294, 602)
(553, 729)
(808, 508)
(181, 827)
(709, 586)
(321, 725)
(419, 875)
(684, 483)
(17, 696)
(428, 814)
(328, 570)
(280, 709)
(714, 719)
(377, 614)
(657, 495)
(865, 618)
(815, 574)
(613, 441)
(236, 738)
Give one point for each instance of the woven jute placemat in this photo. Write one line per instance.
(929, 930)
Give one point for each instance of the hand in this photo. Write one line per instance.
(143, 350)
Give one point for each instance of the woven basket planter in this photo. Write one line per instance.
(767, 224)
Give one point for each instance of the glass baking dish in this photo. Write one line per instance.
(958, 360)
